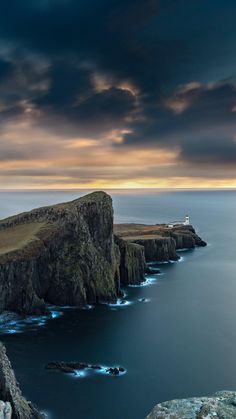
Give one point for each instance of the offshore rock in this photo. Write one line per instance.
(62, 254)
(74, 366)
(221, 405)
(13, 405)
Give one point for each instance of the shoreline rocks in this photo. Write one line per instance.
(73, 367)
(13, 405)
(221, 405)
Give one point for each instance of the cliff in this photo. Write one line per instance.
(13, 405)
(160, 242)
(63, 254)
(220, 405)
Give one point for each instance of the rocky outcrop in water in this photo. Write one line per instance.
(74, 367)
(221, 405)
(13, 405)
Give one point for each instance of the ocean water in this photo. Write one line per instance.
(179, 342)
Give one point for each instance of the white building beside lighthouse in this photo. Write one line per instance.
(185, 222)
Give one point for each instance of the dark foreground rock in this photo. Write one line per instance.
(13, 405)
(221, 405)
(73, 367)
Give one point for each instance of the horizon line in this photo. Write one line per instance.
(117, 189)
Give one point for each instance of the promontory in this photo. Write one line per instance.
(71, 254)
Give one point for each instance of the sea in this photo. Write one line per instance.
(175, 335)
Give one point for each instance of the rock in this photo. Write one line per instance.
(151, 270)
(96, 367)
(221, 405)
(69, 367)
(13, 404)
(5, 410)
(72, 367)
(113, 371)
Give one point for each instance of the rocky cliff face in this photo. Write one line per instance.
(221, 405)
(132, 262)
(71, 259)
(13, 405)
(158, 249)
(186, 238)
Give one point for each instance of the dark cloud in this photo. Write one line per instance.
(198, 119)
(72, 99)
(51, 52)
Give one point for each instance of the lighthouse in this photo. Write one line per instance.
(186, 221)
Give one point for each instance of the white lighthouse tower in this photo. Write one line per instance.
(186, 221)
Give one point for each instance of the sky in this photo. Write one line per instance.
(117, 94)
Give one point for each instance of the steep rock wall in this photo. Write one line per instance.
(132, 262)
(158, 249)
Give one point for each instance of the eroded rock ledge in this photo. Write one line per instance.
(12, 404)
(221, 405)
(67, 254)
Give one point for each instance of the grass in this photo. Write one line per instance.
(143, 237)
(16, 237)
(124, 230)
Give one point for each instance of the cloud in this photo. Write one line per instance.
(128, 76)
(198, 119)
